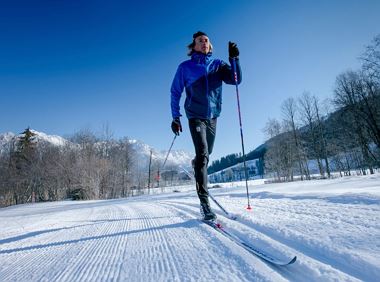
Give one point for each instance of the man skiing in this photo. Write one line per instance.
(202, 77)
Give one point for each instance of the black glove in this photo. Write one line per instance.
(176, 126)
(233, 50)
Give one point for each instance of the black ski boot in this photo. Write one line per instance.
(206, 212)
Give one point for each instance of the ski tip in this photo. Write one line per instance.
(232, 216)
(293, 260)
(284, 263)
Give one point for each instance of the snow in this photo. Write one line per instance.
(5, 140)
(175, 158)
(332, 226)
(6, 137)
(52, 139)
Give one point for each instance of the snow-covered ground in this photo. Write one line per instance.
(333, 226)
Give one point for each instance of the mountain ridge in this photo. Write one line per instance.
(176, 157)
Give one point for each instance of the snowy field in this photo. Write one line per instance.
(332, 226)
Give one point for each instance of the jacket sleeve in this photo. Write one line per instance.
(227, 72)
(176, 92)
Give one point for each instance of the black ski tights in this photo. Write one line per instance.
(203, 135)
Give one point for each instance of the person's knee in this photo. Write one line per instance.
(201, 161)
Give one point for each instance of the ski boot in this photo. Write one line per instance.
(206, 212)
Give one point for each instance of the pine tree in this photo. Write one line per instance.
(26, 146)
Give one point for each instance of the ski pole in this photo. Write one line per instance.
(167, 155)
(233, 217)
(241, 130)
(163, 165)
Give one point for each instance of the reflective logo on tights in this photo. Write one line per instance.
(198, 129)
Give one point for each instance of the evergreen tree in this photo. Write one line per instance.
(25, 149)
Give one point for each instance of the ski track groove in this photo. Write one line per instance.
(91, 271)
(237, 252)
(294, 274)
(28, 249)
(73, 248)
(353, 268)
(109, 240)
(168, 264)
(174, 248)
(162, 255)
(315, 249)
(76, 252)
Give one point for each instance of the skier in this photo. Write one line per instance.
(202, 78)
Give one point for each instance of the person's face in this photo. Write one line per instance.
(202, 44)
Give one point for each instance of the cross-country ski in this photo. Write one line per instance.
(250, 248)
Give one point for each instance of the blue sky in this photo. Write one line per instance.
(69, 65)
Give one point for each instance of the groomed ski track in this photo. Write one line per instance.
(120, 240)
(156, 238)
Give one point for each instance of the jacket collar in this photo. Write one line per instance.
(201, 58)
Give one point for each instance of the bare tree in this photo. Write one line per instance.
(122, 156)
(279, 158)
(351, 97)
(289, 109)
(309, 117)
(369, 106)
(321, 133)
(371, 59)
(106, 140)
(316, 144)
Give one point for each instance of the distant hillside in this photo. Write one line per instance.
(233, 159)
(331, 123)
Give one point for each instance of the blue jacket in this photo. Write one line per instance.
(202, 78)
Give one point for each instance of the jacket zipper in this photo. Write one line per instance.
(207, 96)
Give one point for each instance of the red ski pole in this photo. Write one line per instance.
(241, 131)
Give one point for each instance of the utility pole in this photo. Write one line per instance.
(150, 164)
(158, 178)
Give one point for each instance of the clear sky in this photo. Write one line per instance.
(68, 65)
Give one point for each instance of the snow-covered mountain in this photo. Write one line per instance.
(9, 138)
(51, 139)
(175, 158)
